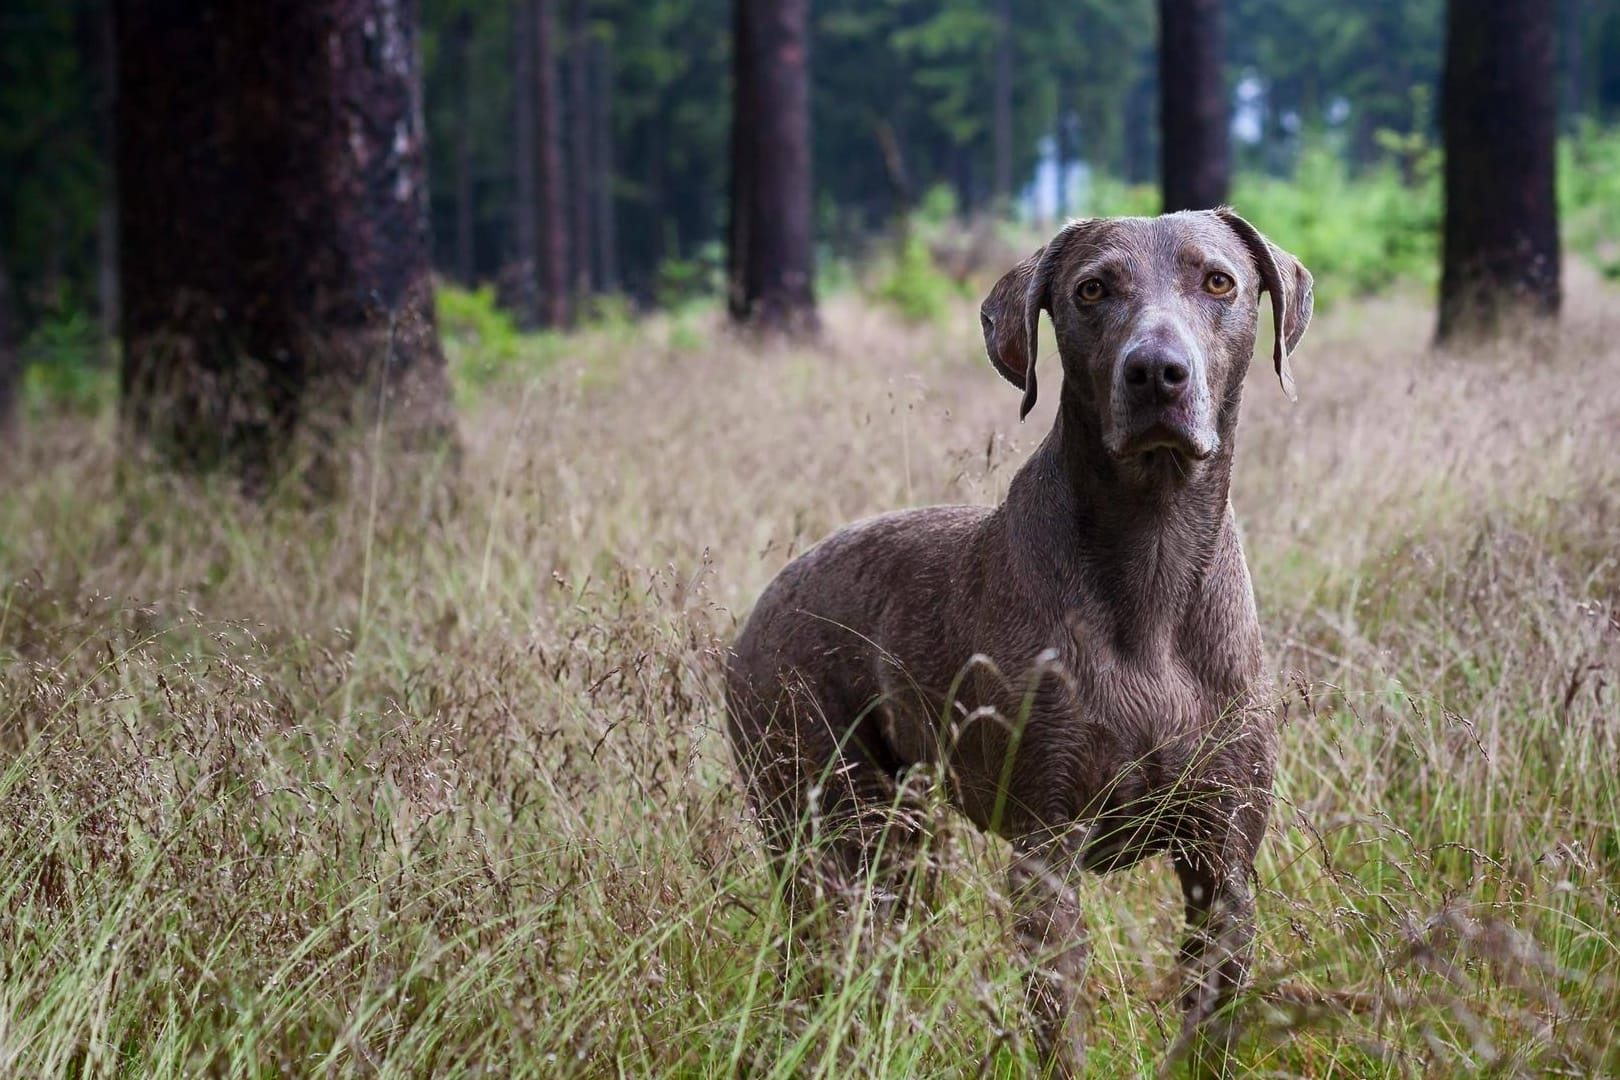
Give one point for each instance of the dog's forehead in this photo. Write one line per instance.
(1195, 236)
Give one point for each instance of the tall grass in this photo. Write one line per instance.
(413, 786)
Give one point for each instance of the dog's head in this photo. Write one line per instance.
(1156, 321)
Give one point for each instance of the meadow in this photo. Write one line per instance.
(433, 781)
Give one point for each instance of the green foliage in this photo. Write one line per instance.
(1589, 196)
(1358, 234)
(696, 279)
(1108, 197)
(487, 352)
(612, 312)
(1366, 232)
(914, 286)
(937, 208)
(482, 344)
(65, 368)
(471, 318)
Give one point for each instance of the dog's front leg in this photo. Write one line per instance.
(1053, 935)
(1215, 875)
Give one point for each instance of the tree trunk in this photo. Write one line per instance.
(1001, 121)
(602, 170)
(962, 181)
(1571, 12)
(461, 45)
(772, 254)
(1195, 141)
(579, 148)
(10, 366)
(273, 206)
(1500, 118)
(107, 300)
(555, 287)
(1061, 152)
(520, 280)
(1136, 145)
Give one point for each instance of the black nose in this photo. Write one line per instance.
(1155, 375)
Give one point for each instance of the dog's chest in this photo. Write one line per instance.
(1156, 695)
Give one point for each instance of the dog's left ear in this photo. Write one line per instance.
(1011, 314)
(1290, 286)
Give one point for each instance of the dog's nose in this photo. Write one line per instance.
(1155, 375)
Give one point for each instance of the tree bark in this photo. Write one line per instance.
(1499, 117)
(602, 168)
(107, 299)
(1194, 122)
(555, 288)
(461, 45)
(579, 147)
(772, 266)
(1574, 107)
(1061, 151)
(1137, 143)
(1001, 121)
(520, 280)
(273, 205)
(10, 365)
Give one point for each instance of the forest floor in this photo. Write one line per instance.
(417, 786)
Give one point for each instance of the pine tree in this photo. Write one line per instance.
(1500, 117)
(273, 207)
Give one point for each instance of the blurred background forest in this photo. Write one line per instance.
(928, 113)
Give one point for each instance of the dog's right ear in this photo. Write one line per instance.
(1008, 315)
(1011, 314)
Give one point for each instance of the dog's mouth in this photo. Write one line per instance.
(1162, 438)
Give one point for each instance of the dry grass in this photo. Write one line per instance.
(406, 790)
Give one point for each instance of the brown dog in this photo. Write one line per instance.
(1083, 661)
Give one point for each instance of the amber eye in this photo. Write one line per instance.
(1219, 284)
(1092, 290)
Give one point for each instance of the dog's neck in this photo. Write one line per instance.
(1130, 550)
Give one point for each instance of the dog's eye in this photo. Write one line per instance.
(1092, 290)
(1218, 284)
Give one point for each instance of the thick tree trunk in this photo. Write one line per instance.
(555, 286)
(1571, 12)
(579, 147)
(273, 206)
(602, 169)
(1500, 119)
(1195, 141)
(461, 45)
(520, 280)
(1001, 120)
(772, 254)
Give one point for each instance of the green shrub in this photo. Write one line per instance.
(1358, 234)
(481, 342)
(914, 286)
(65, 366)
(695, 279)
(1108, 197)
(1589, 196)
